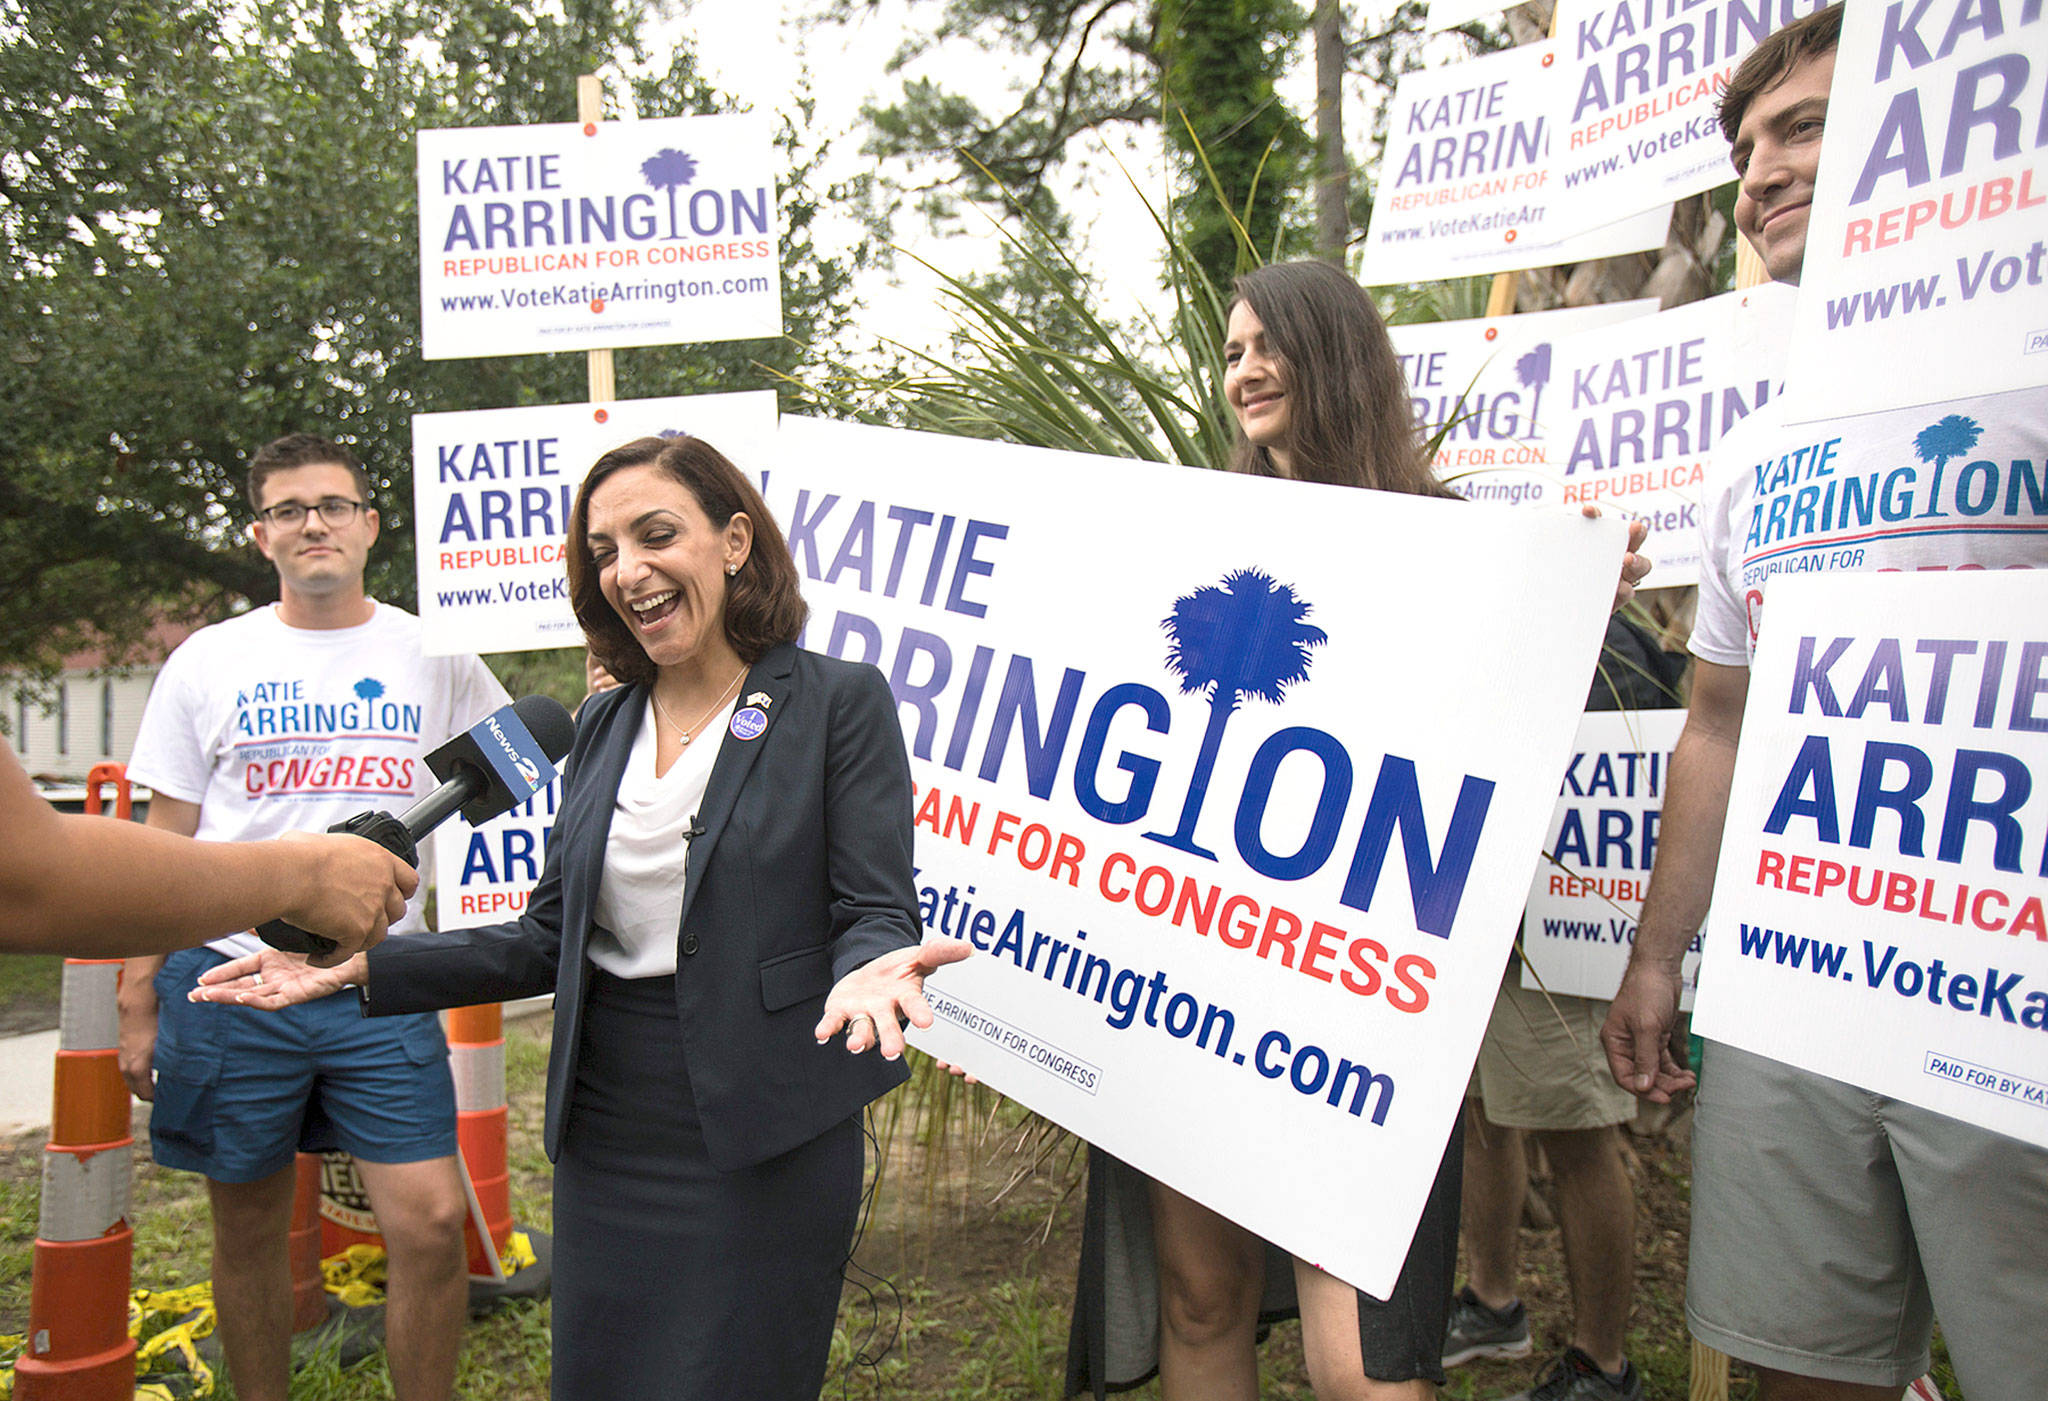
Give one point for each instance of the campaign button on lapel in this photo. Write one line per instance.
(749, 723)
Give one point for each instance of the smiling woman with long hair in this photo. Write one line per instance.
(1317, 395)
(728, 886)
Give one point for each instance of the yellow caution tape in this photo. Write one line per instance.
(356, 1276)
(193, 1308)
(517, 1254)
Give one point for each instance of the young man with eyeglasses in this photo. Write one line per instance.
(1830, 1224)
(291, 718)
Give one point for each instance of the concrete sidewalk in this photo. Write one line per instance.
(27, 1076)
(28, 1072)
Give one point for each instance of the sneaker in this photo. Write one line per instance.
(1475, 1330)
(1577, 1377)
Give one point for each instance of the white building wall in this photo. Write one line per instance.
(66, 741)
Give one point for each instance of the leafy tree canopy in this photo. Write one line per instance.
(1205, 71)
(209, 213)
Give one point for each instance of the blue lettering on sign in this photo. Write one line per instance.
(1243, 640)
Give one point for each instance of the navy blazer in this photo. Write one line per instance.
(802, 874)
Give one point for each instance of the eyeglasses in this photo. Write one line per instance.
(336, 511)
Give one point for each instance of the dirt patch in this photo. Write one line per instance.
(983, 1255)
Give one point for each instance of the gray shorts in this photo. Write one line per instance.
(1831, 1225)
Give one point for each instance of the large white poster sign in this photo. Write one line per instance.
(492, 490)
(582, 237)
(1645, 401)
(1879, 908)
(1635, 114)
(1585, 903)
(1240, 835)
(1490, 379)
(1926, 274)
(1466, 184)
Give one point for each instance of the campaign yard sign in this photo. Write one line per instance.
(492, 490)
(1879, 907)
(1635, 115)
(1483, 384)
(1587, 898)
(590, 236)
(484, 875)
(1239, 840)
(1645, 401)
(1926, 274)
(1466, 184)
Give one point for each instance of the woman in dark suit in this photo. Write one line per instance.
(728, 886)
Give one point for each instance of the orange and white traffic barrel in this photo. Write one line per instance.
(476, 1060)
(78, 1344)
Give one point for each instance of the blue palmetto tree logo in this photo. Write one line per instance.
(1533, 370)
(1948, 437)
(1245, 639)
(369, 688)
(669, 170)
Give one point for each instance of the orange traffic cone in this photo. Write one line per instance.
(78, 1344)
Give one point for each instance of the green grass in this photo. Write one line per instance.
(30, 986)
(977, 1223)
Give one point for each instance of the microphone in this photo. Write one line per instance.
(490, 768)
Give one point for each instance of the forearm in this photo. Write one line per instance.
(1688, 850)
(432, 970)
(868, 822)
(1696, 792)
(96, 887)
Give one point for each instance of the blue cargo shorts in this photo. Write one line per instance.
(239, 1091)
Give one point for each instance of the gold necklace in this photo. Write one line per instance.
(662, 710)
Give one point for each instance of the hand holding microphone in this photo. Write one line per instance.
(349, 890)
(489, 769)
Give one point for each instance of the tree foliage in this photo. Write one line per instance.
(1154, 391)
(1201, 70)
(210, 213)
(1227, 125)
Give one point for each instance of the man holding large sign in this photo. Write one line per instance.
(1872, 1211)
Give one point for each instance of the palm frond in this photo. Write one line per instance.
(1152, 391)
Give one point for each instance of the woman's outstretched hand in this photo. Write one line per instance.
(273, 978)
(873, 1001)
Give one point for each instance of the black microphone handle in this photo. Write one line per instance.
(445, 801)
(391, 833)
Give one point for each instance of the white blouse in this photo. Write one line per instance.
(640, 898)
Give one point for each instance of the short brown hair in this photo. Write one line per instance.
(1768, 63)
(301, 450)
(1349, 420)
(764, 603)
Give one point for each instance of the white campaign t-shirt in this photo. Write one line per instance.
(1962, 485)
(275, 729)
